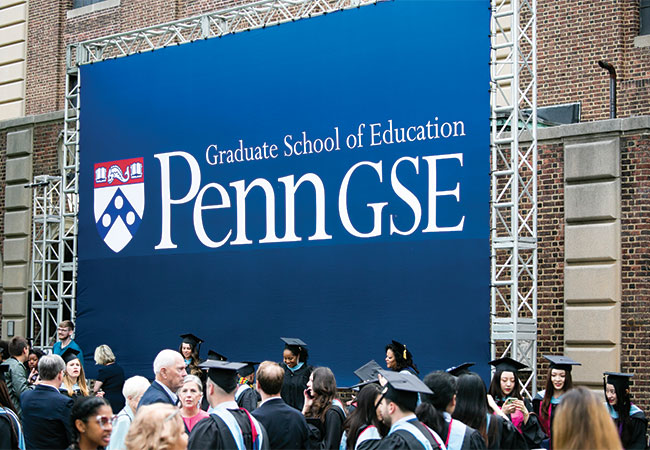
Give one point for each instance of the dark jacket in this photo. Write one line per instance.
(286, 427)
(46, 418)
(155, 394)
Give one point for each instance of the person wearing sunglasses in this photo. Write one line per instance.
(91, 419)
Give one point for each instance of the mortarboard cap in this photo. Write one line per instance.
(214, 356)
(561, 362)
(189, 338)
(619, 380)
(70, 354)
(369, 371)
(294, 342)
(459, 369)
(507, 364)
(403, 388)
(248, 368)
(223, 373)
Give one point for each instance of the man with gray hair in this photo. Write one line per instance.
(169, 368)
(46, 412)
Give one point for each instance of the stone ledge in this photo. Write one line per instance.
(32, 120)
(598, 127)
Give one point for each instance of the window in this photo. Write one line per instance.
(645, 17)
(82, 3)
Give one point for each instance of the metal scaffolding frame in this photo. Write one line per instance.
(514, 184)
(513, 174)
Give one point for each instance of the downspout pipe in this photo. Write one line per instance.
(612, 87)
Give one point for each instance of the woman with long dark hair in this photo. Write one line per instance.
(472, 410)
(505, 399)
(91, 420)
(324, 412)
(363, 428)
(399, 358)
(558, 383)
(296, 372)
(11, 431)
(436, 409)
(630, 420)
(189, 348)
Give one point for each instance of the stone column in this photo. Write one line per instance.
(592, 271)
(17, 233)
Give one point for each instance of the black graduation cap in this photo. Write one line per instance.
(507, 364)
(403, 388)
(620, 380)
(401, 349)
(69, 354)
(194, 341)
(214, 356)
(562, 362)
(459, 369)
(248, 368)
(369, 371)
(223, 373)
(294, 344)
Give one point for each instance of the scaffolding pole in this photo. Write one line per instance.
(514, 184)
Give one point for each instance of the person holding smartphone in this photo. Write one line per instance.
(323, 411)
(504, 398)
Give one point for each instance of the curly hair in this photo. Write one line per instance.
(156, 427)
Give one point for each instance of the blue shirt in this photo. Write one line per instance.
(57, 350)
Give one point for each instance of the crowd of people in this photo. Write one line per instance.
(46, 402)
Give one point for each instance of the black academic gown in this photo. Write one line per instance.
(635, 438)
(471, 438)
(213, 433)
(327, 434)
(247, 397)
(294, 385)
(404, 440)
(532, 430)
(506, 437)
(537, 408)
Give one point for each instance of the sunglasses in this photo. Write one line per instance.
(105, 421)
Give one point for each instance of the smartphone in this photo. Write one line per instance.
(309, 394)
(510, 400)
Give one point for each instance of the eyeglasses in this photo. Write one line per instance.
(105, 421)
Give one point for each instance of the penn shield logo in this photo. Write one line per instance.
(119, 200)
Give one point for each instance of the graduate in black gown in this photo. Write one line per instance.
(472, 410)
(397, 410)
(558, 383)
(505, 399)
(296, 372)
(190, 348)
(363, 429)
(228, 426)
(246, 396)
(630, 420)
(399, 358)
(436, 409)
(323, 411)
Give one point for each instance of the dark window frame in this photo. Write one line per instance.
(644, 16)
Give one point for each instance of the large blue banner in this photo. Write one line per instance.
(326, 179)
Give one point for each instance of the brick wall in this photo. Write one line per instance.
(572, 37)
(550, 251)
(635, 269)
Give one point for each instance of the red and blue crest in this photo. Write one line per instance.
(119, 200)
